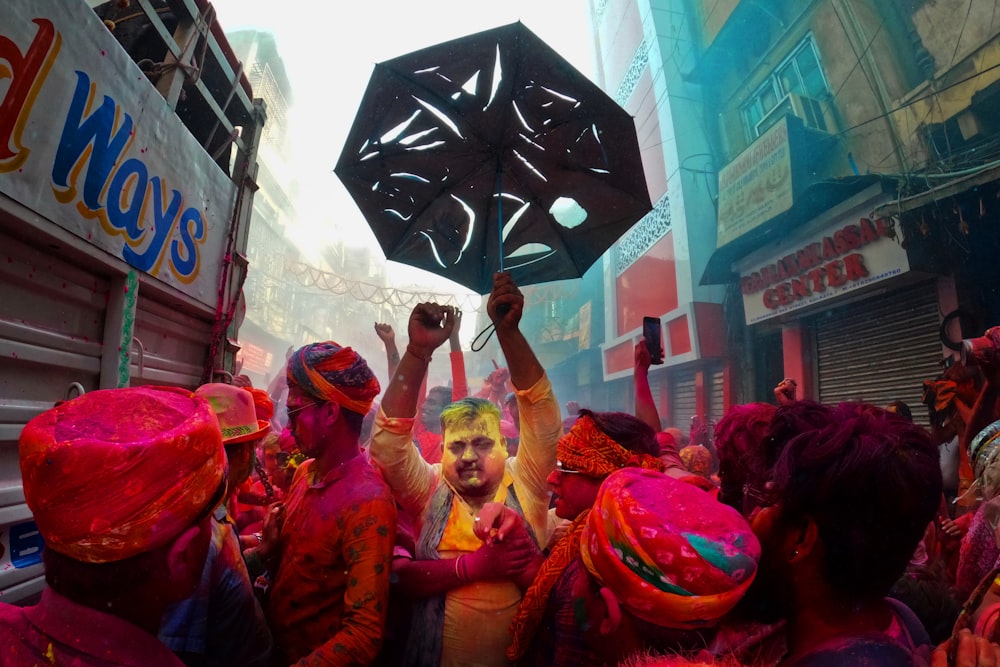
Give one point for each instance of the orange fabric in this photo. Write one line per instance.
(262, 403)
(330, 595)
(117, 472)
(529, 614)
(587, 449)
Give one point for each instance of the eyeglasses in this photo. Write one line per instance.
(302, 407)
(563, 470)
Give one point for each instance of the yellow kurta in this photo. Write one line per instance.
(477, 616)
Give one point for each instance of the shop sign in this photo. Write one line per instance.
(841, 259)
(756, 186)
(87, 142)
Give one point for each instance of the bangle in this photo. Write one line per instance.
(458, 570)
(419, 355)
(260, 538)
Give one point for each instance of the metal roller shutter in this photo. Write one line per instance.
(717, 395)
(683, 403)
(880, 350)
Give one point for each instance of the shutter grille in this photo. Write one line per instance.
(682, 400)
(716, 396)
(880, 352)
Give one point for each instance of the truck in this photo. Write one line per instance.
(128, 159)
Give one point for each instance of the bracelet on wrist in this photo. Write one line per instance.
(418, 353)
(458, 568)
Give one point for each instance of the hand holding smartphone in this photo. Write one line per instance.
(652, 332)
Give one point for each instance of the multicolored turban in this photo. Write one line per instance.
(672, 554)
(333, 373)
(588, 449)
(118, 472)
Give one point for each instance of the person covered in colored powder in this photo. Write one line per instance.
(329, 547)
(664, 562)
(222, 623)
(122, 484)
(468, 591)
(598, 444)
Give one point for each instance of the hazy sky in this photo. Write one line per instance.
(329, 50)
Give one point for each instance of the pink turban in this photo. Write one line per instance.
(672, 554)
(118, 472)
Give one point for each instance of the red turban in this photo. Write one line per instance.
(118, 472)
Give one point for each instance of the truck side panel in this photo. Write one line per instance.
(121, 236)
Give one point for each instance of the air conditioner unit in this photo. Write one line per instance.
(812, 112)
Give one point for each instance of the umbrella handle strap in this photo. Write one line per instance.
(490, 328)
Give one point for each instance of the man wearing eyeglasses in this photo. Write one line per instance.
(468, 591)
(598, 444)
(330, 547)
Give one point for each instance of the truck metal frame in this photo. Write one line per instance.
(128, 164)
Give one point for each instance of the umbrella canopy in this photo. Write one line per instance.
(491, 152)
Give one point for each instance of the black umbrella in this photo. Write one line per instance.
(488, 141)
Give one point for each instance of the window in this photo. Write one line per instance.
(797, 85)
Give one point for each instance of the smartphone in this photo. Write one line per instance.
(653, 333)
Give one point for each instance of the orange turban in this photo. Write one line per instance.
(671, 553)
(333, 373)
(588, 449)
(118, 472)
(262, 403)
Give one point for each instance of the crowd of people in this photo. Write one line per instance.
(440, 527)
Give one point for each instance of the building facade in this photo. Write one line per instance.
(827, 172)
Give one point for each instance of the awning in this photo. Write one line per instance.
(812, 201)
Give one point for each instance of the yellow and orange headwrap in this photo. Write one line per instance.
(333, 373)
(118, 472)
(589, 450)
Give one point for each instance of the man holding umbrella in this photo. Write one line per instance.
(459, 582)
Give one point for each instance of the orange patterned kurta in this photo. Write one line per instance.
(331, 590)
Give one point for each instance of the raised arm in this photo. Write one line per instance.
(411, 478)
(541, 422)
(388, 337)
(645, 406)
(430, 325)
(459, 381)
(505, 306)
